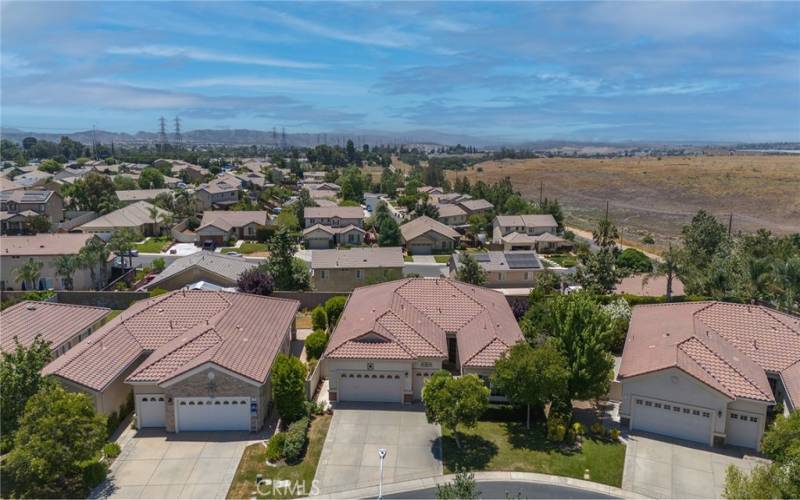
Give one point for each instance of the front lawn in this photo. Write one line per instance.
(408, 258)
(442, 259)
(254, 462)
(153, 244)
(247, 248)
(563, 259)
(509, 446)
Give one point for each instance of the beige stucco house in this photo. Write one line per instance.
(344, 270)
(16, 251)
(504, 269)
(219, 226)
(195, 360)
(334, 216)
(320, 237)
(423, 236)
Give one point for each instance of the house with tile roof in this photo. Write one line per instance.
(219, 226)
(41, 202)
(334, 216)
(393, 336)
(46, 248)
(135, 216)
(451, 214)
(63, 326)
(209, 267)
(341, 270)
(503, 269)
(708, 371)
(322, 237)
(424, 236)
(218, 193)
(195, 360)
(528, 232)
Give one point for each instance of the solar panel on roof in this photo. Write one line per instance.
(482, 257)
(519, 261)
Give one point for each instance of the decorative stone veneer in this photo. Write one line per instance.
(224, 385)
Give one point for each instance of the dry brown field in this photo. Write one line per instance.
(647, 195)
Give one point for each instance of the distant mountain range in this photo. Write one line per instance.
(248, 137)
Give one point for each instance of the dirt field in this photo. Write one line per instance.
(648, 195)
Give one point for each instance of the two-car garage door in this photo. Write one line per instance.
(671, 419)
(213, 414)
(386, 387)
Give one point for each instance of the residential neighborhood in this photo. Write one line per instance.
(423, 250)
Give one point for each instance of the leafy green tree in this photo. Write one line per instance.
(28, 143)
(93, 192)
(289, 273)
(606, 234)
(532, 376)
(58, 432)
(256, 280)
(581, 330)
(453, 402)
(66, 267)
(469, 271)
(333, 309)
(553, 208)
(151, 178)
(390, 181)
(389, 233)
(288, 388)
(50, 166)
(29, 273)
(781, 478)
(516, 205)
(462, 487)
(38, 224)
(426, 209)
(632, 261)
(598, 272)
(703, 237)
(20, 378)
(352, 185)
(319, 319)
(315, 344)
(288, 219)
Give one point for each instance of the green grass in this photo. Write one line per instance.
(408, 258)
(113, 314)
(153, 244)
(247, 247)
(563, 259)
(509, 446)
(254, 462)
(442, 259)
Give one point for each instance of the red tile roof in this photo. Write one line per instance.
(410, 319)
(56, 323)
(179, 331)
(730, 347)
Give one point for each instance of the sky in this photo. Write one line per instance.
(606, 71)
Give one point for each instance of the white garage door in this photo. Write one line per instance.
(371, 386)
(743, 429)
(672, 419)
(213, 414)
(151, 409)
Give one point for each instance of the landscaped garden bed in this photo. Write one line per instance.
(254, 462)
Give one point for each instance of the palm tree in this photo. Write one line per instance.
(757, 278)
(669, 266)
(66, 265)
(93, 256)
(122, 242)
(153, 212)
(29, 272)
(787, 282)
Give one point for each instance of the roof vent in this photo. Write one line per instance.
(755, 344)
(31, 307)
(170, 324)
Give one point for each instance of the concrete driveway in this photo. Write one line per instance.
(350, 460)
(154, 464)
(659, 467)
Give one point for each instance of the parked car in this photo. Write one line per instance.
(234, 254)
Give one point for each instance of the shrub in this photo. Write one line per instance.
(648, 239)
(192, 223)
(598, 429)
(314, 408)
(333, 308)
(289, 387)
(257, 281)
(319, 318)
(294, 446)
(159, 264)
(155, 292)
(275, 447)
(577, 428)
(112, 423)
(111, 450)
(556, 430)
(315, 344)
(93, 473)
(614, 434)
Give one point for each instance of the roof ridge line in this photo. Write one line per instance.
(171, 351)
(770, 312)
(411, 328)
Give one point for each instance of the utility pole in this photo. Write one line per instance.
(730, 224)
(283, 138)
(162, 134)
(541, 192)
(274, 137)
(178, 137)
(94, 142)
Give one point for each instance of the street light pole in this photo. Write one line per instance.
(382, 455)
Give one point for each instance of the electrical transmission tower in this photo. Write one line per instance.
(274, 137)
(178, 137)
(283, 138)
(162, 134)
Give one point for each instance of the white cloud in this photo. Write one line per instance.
(209, 56)
(387, 37)
(14, 65)
(285, 84)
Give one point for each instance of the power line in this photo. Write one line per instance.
(162, 135)
(178, 137)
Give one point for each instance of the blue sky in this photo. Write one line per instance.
(519, 71)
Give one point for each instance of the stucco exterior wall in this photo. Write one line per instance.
(345, 280)
(82, 279)
(192, 275)
(435, 240)
(334, 366)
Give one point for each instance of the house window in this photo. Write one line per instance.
(639, 401)
(706, 414)
(754, 419)
(499, 276)
(735, 416)
(657, 405)
(695, 412)
(676, 408)
(667, 407)
(323, 274)
(648, 403)
(686, 410)
(359, 274)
